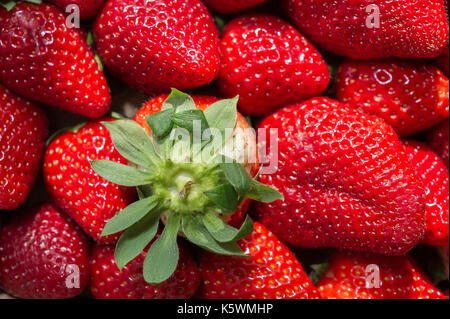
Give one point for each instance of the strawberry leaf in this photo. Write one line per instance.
(134, 240)
(236, 175)
(186, 120)
(121, 174)
(160, 123)
(197, 234)
(130, 215)
(162, 258)
(132, 142)
(224, 233)
(179, 101)
(224, 196)
(222, 115)
(263, 193)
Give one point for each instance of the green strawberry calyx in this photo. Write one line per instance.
(183, 179)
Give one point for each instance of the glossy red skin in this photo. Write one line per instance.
(231, 6)
(399, 278)
(44, 60)
(23, 130)
(202, 102)
(269, 65)
(346, 181)
(433, 174)
(408, 28)
(74, 186)
(108, 282)
(178, 49)
(272, 272)
(438, 140)
(88, 8)
(36, 250)
(410, 96)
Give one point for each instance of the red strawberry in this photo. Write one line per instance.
(44, 60)
(346, 181)
(272, 272)
(410, 96)
(108, 282)
(432, 172)
(43, 254)
(232, 6)
(442, 61)
(438, 140)
(23, 131)
(156, 45)
(406, 29)
(269, 65)
(364, 276)
(88, 9)
(89, 199)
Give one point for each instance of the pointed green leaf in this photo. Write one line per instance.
(132, 142)
(263, 193)
(224, 196)
(162, 258)
(130, 215)
(179, 101)
(236, 174)
(222, 115)
(160, 123)
(186, 120)
(197, 234)
(134, 240)
(223, 232)
(121, 174)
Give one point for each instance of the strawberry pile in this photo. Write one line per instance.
(212, 149)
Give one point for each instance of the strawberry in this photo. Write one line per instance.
(23, 131)
(432, 172)
(42, 59)
(346, 181)
(88, 9)
(43, 254)
(232, 6)
(365, 276)
(369, 30)
(89, 199)
(438, 140)
(269, 65)
(442, 61)
(108, 282)
(271, 272)
(156, 45)
(410, 96)
(190, 173)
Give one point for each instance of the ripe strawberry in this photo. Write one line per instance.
(406, 29)
(410, 96)
(192, 173)
(438, 140)
(89, 199)
(43, 254)
(88, 9)
(23, 131)
(232, 6)
(442, 61)
(346, 181)
(108, 282)
(269, 65)
(365, 276)
(156, 45)
(433, 174)
(272, 272)
(44, 60)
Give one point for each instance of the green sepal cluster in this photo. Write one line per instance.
(9, 4)
(193, 198)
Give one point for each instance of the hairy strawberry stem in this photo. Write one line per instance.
(183, 180)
